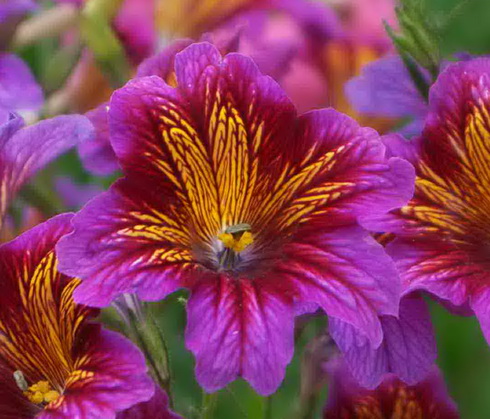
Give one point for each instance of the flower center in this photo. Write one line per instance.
(235, 239)
(40, 393)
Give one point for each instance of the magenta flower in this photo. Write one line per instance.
(442, 234)
(230, 194)
(392, 399)
(55, 363)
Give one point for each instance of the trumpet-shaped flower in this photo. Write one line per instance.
(443, 233)
(229, 193)
(391, 399)
(55, 363)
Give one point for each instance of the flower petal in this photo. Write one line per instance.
(347, 273)
(385, 89)
(239, 328)
(131, 243)
(31, 148)
(392, 399)
(110, 376)
(18, 88)
(408, 349)
(96, 152)
(155, 408)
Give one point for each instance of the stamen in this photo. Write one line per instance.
(237, 237)
(235, 240)
(39, 393)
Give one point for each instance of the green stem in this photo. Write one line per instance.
(209, 403)
(149, 337)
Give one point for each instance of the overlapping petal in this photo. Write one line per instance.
(225, 147)
(443, 232)
(47, 337)
(408, 349)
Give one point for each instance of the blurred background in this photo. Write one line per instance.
(79, 52)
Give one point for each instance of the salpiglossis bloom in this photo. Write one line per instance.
(54, 363)
(392, 399)
(254, 209)
(443, 233)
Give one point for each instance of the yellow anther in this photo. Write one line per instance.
(236, 242)
(41, 392)
(36, 398)
(51, 396)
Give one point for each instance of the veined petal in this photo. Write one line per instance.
(408, 349)
(136, 242)
(239, 329)
(108, 376)
(347, 273)
(47, 337)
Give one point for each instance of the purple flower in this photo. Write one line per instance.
(19, 90)
(230, 194)
(442, 234)
(385, 89)
(391, 399)
(55, 363)
(24, 150)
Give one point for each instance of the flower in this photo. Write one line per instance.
(25, 150)
(222, 154)
(55, 363)
(392, 399)
(442, 234)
